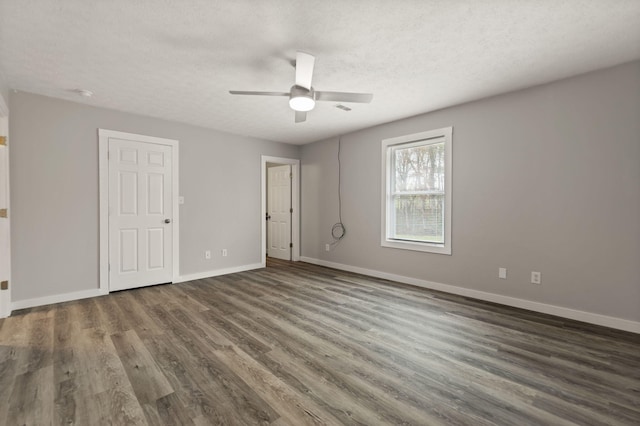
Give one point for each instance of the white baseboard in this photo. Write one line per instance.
(588, 317)
(84, 294)
(217, 272)
(57, 298)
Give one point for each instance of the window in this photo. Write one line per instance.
(416, 191)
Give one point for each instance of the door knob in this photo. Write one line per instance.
(167, 221)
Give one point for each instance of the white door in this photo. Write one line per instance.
(140, 214)
(279, 212)
(5, 250)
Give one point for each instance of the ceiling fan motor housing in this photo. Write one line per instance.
(301, 99)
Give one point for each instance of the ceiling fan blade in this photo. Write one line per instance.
(242, 92)
(363, 98)
(304, 69)
(301, 116)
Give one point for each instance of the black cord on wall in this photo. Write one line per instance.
(338, 230)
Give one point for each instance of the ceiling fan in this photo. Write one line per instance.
(302, 96)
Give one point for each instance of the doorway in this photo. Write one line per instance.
(280, 214)
(138, 210)
(279, 211)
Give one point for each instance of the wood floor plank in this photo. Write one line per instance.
(104, 375)
(293, 407)
(87, 313)
(65, 328)
(171, 411)
(7, 378)
(40, 344)
(184, 299)
(31, 401)
(112, 318)
(149, 384)
(138, 317)
(118, 406)
(198, 403)
(65, 363)
(65, 402)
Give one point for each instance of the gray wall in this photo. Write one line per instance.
(54, 193)
(545, 179)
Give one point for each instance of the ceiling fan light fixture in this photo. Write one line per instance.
(302, 103)
(301, 99)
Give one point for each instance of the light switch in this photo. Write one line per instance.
(502, 273)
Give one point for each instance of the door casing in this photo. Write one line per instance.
(295, 202)
(103, 148)
(5, 267)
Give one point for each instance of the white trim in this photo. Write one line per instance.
(103, 149)
(4, 106)
(5, 299)
(588, 317)
(295, 202)
(439, 135)
(103, 213)
(217, 272)
(85, 294)
(57, 298)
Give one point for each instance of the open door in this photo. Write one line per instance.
(285, 203)
(279, 212)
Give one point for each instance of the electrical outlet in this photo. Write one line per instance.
(207, 254)
(327, 247)
(224, 252)
(536, 277)
(502, 273)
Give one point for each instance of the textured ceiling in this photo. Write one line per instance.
(177, 59)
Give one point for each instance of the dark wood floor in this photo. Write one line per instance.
(297, 344)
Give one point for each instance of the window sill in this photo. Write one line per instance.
(417, 246)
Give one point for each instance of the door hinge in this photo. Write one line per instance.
(291, 210)
(291, 245)
(4, 285)
(290, 175)
(4, 213)
(3, 140)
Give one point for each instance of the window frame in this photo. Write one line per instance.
(416, 139)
